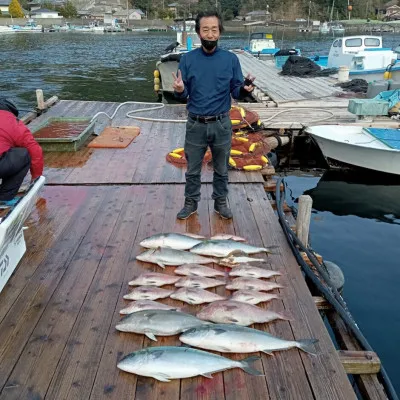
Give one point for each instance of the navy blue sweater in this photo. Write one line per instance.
(209, 80)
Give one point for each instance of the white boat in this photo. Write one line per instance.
(30, 27)
(324, 28)
(6, 30)
(261, 43)
(376, 149)
(337, 29)
(364, 55)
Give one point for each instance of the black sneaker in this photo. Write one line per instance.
(221, 208)
(188, 209)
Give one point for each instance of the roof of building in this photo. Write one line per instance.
(44, 11)
(5, 2)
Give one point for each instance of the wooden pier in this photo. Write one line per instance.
(59, 310)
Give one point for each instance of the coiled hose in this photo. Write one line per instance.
(328, 291)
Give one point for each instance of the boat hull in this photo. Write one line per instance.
(377, 159)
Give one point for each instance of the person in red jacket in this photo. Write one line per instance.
(19, 152)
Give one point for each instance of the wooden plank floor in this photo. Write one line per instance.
(59, 310)
(143, 161)
(285, 88)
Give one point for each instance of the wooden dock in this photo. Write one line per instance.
(59, 310)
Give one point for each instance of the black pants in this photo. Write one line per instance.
(14, 165)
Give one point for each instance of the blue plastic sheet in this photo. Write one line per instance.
(392, 96)
(391, 137)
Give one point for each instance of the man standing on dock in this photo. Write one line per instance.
(208, 76)
(19, 152)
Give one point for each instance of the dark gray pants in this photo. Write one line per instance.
(218, 136)
(14, 165)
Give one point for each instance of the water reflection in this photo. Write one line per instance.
(372, 195)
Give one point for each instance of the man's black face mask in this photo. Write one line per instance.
(209, 44)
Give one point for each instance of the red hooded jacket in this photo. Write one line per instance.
(14, 133)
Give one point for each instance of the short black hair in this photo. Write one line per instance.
(7, 105)
(205, 14)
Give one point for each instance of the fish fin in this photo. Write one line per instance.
(233, 320)
(285, 316)
(161, 265)
(269, 248)
(224, 349)
(207, 375)
(269, 352)
(248, 368)
(150, 336)
(307, 345)
(162, 377)
(237, 253)
(219, 331)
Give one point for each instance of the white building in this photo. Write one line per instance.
(45, 13)
(4, 4)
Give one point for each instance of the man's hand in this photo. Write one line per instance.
(178, 86)
(248, 83)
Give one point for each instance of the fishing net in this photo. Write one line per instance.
(248, 162)
(177, 157)
(243, 118)
(355, 86)
(303, 67)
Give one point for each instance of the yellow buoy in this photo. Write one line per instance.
(252, 147)
(252, 167)
(156, 88)
(232, 162)
(264, 159)
(175, 155)
(259, 122)
(240, 133)
(156, 73)
(387, 75)
(242, 112)
(242, 139)
(236, 152)
(178, 150)
(236, 121)
(156, 81)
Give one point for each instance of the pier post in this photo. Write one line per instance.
(40, 99)
(303, 218)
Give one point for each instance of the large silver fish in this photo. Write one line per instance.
(252, 296)
(233, 261)
(239, 339)
(195, 296)
(225, 248)
(158, 322)
(154, 279)
(200, 282)
(175, 241)
(197, 270)
(248, 271)
(140, 305)
(147, 293)
(252, 284)
(169, 362)
(165, 256)
(235, 312)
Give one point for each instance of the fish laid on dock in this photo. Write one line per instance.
(154, 279)
(196, 296)
(234, 261)
(198, 270)
(252, 284)
(169, 362)
(147, 293)
(165, 256)
(227, 236)
(141, 305)
(154, 323)
(228, 338)
(253, 297)
(225, 248)
(175, 241)
(248, 271)
(235, 312)
(198, 282)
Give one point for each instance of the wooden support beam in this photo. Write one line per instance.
(304, 218)
(369, 385)
(33, 114)
(360, 362)
(40, 99)
(321, 303)
(268, 171)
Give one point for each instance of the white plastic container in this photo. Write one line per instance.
(343, 74)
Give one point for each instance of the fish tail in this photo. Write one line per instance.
(269, 248)
(285, 315)
(307, 345)
(245, 366)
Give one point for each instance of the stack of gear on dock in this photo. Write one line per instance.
(249, 146)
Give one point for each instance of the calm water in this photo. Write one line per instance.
(355, 224)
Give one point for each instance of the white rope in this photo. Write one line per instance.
(331, 114)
